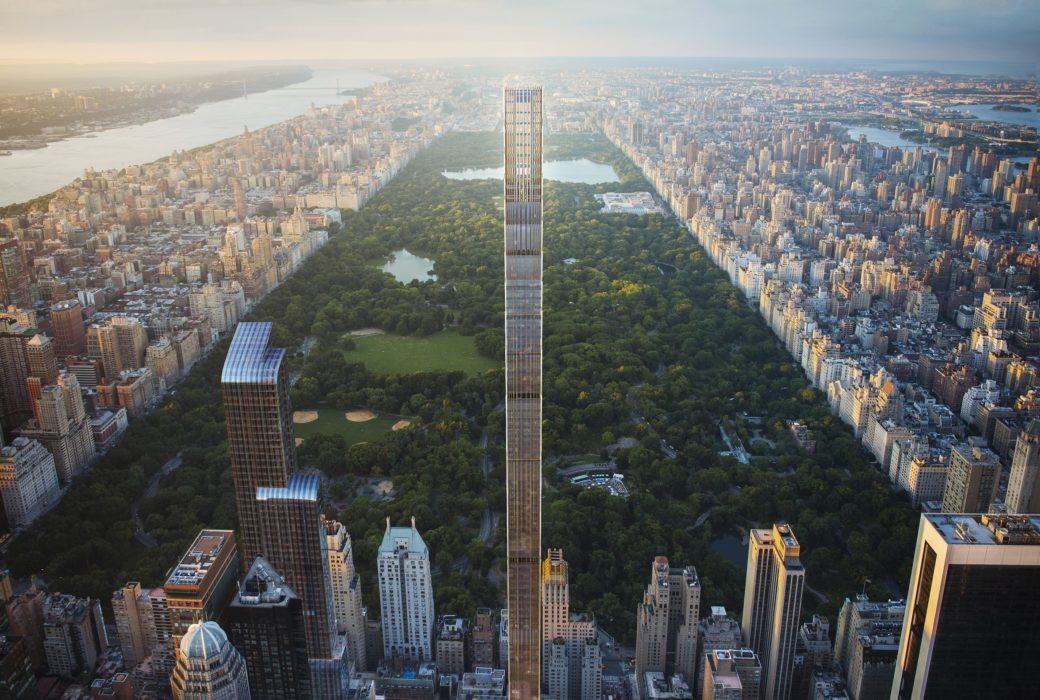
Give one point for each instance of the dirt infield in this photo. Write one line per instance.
(359, 416)
(365, 332)
(299, 441)
(304, 416)
(401, 424)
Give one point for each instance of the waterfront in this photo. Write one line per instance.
(581, 170)
(884, 137)
(985, 112)
(30, 173)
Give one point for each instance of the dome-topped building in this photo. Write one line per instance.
(208, 667)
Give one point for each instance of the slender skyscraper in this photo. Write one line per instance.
(259, 426)
(523, 285)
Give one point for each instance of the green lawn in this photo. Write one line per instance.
(397, 354)
(332, 421)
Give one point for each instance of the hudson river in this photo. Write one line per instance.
(30, 173)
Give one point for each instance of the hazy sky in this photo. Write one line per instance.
(90, 31)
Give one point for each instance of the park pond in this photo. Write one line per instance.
(731, 548)
(581, 170)
(407, 267)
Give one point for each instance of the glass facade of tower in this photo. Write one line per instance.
(523, 289)
(258, 418)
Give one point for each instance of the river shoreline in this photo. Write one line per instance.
(141, 116)
(31, 174)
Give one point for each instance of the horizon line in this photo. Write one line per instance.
(6, 61)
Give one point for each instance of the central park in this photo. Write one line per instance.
(653, 363)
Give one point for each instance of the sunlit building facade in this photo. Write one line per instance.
(972, 615)
(261, 447)
(523, 290)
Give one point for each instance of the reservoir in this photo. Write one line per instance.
(30, 173)
(582, 170)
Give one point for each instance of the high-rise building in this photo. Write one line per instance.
(556, 669)
(266, 625)
(523, 298)
(451, 645)
(70, 333)
(202, 583)
(591, 662)
(971, 480)
(731, 674)
(503, 637)
(120, 344)
(17, 680)
(62, 426)
(14, 276)
(346, 592)
(157, 631)
(28, 481)
(717, 631)
(278, 510)
(813, 654)
(773, 605)
(1023, 492)
(866, 643)
(129, 627)
(15, 404)
(261, 444)
(43, 363)
(73, 634)
(666, 622)
(972, 613)
(241, 209)
(25, 618)
(293, 535)
(405, 594)
(571, 668)
(208, 666)
(483, 637)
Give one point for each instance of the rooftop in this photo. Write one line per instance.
(974, 529)
(263, 586)
(196, 563)
(396, 539)
(249, 360)
(300, 487)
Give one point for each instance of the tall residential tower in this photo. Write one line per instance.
(405, 594)
(523, 288)
(279, 510)
(261, 447)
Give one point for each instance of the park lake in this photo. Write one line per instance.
(581, 170)
(407, 267)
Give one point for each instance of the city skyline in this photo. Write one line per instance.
(807, 297)
(237, 29)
